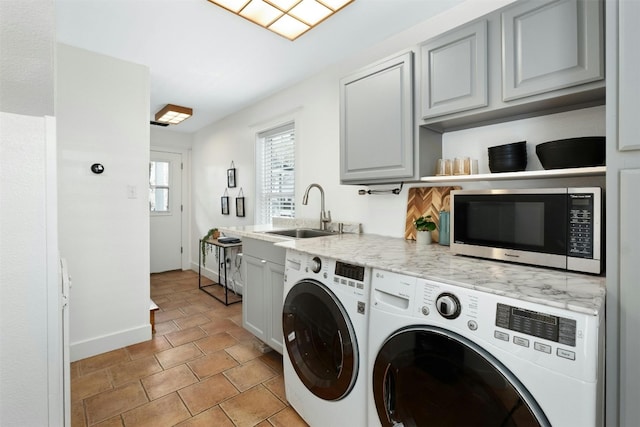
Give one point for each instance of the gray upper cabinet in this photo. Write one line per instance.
(377, 123)
(550, 45)
(454, 71)
(541, 55)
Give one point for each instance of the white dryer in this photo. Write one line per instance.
(443, 355)
(324, 321)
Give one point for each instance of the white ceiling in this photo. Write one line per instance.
(204, 57)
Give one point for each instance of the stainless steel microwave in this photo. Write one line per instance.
(550, 227)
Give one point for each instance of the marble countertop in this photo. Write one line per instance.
(572, 291)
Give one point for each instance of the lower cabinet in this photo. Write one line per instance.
(262, 297)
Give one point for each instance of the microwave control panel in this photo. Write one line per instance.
(581, 217)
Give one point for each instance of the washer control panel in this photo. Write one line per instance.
(558, 339)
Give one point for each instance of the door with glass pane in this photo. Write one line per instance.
(165, 209)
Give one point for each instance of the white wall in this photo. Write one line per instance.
(102, 109)
(314, 104)
(23, 271)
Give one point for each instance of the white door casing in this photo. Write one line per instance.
(166, 221)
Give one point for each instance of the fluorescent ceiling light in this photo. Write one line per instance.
(173, 114)
(288, 18)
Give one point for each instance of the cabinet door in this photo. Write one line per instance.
(549, 45)
(454, 71)
(376, 122)
(275, 277)
(254, 305)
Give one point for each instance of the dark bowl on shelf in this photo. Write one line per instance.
(514, 147)
(572, 153)
(508, 158)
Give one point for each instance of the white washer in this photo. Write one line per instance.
(324, 320)
(445, 355)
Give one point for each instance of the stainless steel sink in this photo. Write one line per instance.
(301, 233)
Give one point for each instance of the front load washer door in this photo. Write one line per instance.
(428, 376)
(320, 340)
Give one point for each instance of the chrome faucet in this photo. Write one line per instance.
(325, 217)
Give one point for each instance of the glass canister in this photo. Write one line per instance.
(444, 228)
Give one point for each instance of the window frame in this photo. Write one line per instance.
(264, 209)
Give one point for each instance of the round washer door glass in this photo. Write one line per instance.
(320, 340)
(427, 376)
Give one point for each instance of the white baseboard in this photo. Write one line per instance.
(105, 343)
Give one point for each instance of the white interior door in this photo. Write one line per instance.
(165, 209)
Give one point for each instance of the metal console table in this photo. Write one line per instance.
(221, 253)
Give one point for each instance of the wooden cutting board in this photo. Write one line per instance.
(426, 201)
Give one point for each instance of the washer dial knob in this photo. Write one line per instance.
(448, 305)
(315, 264)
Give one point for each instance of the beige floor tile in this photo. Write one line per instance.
(163, 316)
(169, 304)
(148, 348)
(104, 360)
(249, 374)
(287, 418)
(216, 342)
(134, 370)
(213, 417)
(182, 337)
(196, 307)
(111, 422)
(113, 402)
(252, 406)
(237, 319)
(90, 384)
(166, 411)
(244, 351)
(192, 319)
(165, 328)
(178, 355)
(217, 326)
(205, 394)
(163, 383)
(212, 364)
(77, 413)
(276, 386)
(240, 333)
(273, 359)
(74, 369)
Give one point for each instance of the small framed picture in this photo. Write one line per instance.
(239, 206)
(224, 201)
(231, 178)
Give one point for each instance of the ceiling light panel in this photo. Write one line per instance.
(289, 27)
(310, 12)
(173, 114)
(260, 12)
(234, 6)
(288, 18)
(283, 5)
(335, 4)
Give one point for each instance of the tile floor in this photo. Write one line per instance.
(200, 369)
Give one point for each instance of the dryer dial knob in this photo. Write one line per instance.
(315, 264)
(448, 306)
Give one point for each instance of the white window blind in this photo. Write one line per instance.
(275, 173)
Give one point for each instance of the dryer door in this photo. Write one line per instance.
(427, 376)
(320, 340)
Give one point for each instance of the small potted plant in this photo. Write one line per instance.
(424, 226)
(211, 234)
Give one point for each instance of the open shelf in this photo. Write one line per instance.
(539, 174)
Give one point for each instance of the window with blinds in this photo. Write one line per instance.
(275, 174)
